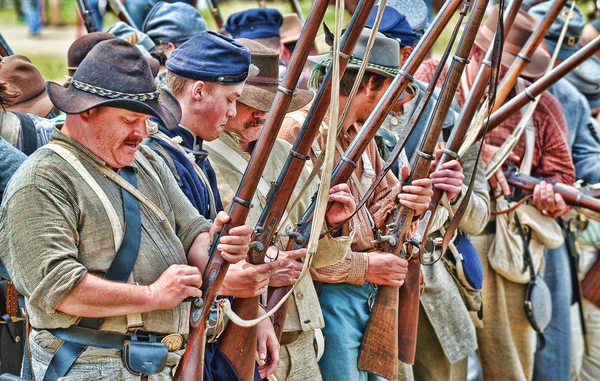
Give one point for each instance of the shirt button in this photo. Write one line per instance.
(394, 121)
(299, 296)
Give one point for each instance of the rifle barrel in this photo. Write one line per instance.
(541, 85)
(469, 109)
(238, 343)
(282, 191)
(5, 49)
(530, 47)
(404, 336)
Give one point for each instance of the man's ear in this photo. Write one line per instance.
(198, 90)
(405, 53)
(87, 115)
(371, 88)
(170, 47)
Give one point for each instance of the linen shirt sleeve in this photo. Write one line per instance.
(352, 269)
(556, 163)
(40, 224)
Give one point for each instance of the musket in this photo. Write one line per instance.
(239, 344)
(470, 107)
(383, 321)
(534, 41)
(297, 10)
(541, 85)
(359, 144)
(87, 15)
(119, 10)
(574, 198)
(5, 49)
(282, 189)
(214, 9)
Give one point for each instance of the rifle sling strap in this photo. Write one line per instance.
(119, 270)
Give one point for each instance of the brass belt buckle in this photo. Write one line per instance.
(174, 342)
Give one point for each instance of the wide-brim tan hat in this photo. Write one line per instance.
(518, 35)
(259, 91)
(20, 73)
(291, 28)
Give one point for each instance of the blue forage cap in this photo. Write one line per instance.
(394, 25)
(586, 77)
(212, 57)
(415, 11)
(133, 36)
(472, 267)
(255, 23)
(173, 22)
(575, 27)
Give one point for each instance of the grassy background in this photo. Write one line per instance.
(53, 67)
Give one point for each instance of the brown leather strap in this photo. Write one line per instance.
(12, 304)
(512, 208)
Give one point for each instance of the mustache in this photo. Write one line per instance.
(255, 122)
(133, 141)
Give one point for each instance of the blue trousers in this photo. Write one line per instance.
(346, 312)
(33, 16)
(554, 362)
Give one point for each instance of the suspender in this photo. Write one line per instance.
(29, 134)
(120, 268)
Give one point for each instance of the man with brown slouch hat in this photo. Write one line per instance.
(93, 192)
(229, 155)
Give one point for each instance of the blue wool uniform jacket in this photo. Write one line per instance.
(189, 182)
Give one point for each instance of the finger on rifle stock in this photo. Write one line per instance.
(193, 292)
(243, 230)
(267, 267)
(192, 280)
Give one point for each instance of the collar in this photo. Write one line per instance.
(232, 141)
(190, 141)
(82, 150)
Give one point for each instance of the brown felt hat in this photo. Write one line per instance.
(19, 72)
(116, 74)
(290, 29)
(82, 46)
(259, 92)
(518, 35)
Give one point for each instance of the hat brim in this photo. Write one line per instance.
(322, 57)
(535, 69)
(261, 98)
(74, 101)
(40, 105)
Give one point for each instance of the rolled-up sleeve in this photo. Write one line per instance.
(40, 236)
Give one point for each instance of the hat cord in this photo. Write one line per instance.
(113, 94)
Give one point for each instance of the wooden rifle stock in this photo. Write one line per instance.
(214, 9)
(282, 190)
(87, 15)
(5, 49)
(374, 356)
(534, 41)
(239, 343)
(573, 198)
(541, 85)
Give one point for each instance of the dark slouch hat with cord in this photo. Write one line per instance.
(116, 74)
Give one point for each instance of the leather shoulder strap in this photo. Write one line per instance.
(29, 134)
(113, 217)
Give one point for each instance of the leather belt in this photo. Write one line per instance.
(289, 337)
(113, 340)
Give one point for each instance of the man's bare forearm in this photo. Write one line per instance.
(198, 254)
(97, 297)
